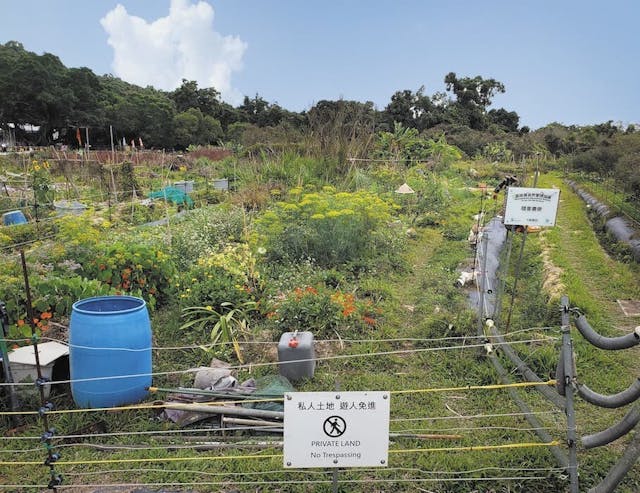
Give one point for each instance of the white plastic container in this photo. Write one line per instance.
(69, 207)
(221, 183)
(184, 186)
(23, 363)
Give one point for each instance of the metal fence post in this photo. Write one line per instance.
(567, 355)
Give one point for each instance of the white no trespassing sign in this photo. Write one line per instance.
(336, 429)
(531, 206)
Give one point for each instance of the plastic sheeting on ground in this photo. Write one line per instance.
(490, 244)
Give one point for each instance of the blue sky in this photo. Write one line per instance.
(574, 62)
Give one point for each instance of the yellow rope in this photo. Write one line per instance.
(279, 456)
(165, 459)
(473, 448)
(476, 387)
(137, 407)
(222, 403)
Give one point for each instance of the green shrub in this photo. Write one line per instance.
(139, 213)
(229, 276)
(41, 184)
(51, 297)
(57, 294)
(76, 242)
(323, 311)
(206, 230)
(291, 169)
(432, 194)
(138, 269)
(328, 227)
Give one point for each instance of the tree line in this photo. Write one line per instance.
(40, 92)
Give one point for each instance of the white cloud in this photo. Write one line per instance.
(182, 45)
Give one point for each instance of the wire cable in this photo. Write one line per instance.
(285, 482)
(475, 416)
(205, 430)
(471, 428)
(245, 401)
(316, 472)
(470, 448)
(250, 366)
(317, 341)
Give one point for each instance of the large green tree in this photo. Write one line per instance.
(192, 127)
(473, 96)
(35, 90)
(189, 96)
(137, 112)
(414, 110)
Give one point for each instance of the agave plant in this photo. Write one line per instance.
(228, 323)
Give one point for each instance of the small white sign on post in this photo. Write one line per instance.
(531, 206)
(336, 429)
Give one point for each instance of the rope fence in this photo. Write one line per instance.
(253, 401)
(206, 430)
(251, 366)
(474, 448)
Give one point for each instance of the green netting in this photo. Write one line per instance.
(270, 386)
(172, 194)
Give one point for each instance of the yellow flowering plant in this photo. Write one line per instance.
(329, 227)
(229, 275)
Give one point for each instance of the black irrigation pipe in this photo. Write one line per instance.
(627, 396)
(621, 228)
(614, 432)
(621, 468)
(525, 371)
(614, 401)
(609, 343)
(558, 453)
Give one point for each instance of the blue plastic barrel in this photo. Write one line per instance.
(13, 217)
(109, 336)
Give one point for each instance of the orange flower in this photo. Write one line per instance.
(20, 323)
(369, 320)
(46, 315)
(36, 320)
(311, 289)
(348, 310)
